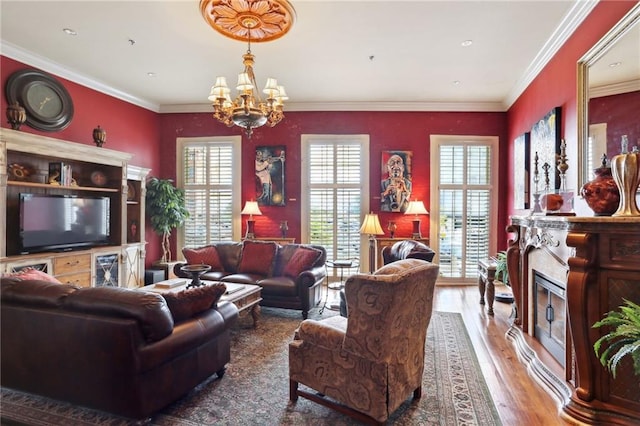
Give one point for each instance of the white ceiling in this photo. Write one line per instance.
(339, 55)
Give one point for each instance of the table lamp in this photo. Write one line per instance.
(371, 226)
(416, 208)
(251, 208)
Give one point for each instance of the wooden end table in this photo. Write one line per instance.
(246, 297)
(486, 276)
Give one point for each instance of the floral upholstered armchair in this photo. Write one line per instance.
(370, 362)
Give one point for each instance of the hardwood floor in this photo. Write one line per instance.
(520, 400)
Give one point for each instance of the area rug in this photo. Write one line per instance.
(255, 388)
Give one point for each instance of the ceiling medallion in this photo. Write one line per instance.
(265, 20)
(248, 20)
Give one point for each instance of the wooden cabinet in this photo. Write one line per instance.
(25, 161)
(73, 269)
(384, 242)
(597, 261)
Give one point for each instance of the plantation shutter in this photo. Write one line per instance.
(208, 184)
(335, 200)
(464, 208)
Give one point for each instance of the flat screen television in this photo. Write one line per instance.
(63, 222)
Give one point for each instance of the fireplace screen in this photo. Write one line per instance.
(550, 316)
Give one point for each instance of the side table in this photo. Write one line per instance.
(338, 285)
(486, 276)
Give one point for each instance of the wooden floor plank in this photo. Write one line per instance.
(520, 400)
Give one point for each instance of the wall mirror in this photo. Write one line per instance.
(608, 76)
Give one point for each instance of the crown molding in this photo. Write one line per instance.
(615, 89)
(16, 53)
(565, 29)
(359, 106)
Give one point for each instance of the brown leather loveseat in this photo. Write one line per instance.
(112, 349)
(290, 275)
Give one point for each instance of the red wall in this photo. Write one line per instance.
(409, 131)
(556, 85)
(129, 128)
(621, 113)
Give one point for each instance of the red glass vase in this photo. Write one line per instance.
(601, 193)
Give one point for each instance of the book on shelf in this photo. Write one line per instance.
(60, 173)
(172, 283)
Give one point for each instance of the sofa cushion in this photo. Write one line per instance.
(257, 257)
(302, 260)
(187, 303)
(148, 309)
(32, 274)
(204, 256)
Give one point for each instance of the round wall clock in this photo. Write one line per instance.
(47, 103)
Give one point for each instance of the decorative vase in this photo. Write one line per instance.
(601, 193)
(16, 115)
(99, 136)
(626, 172)
(392, 228)
(284, 227)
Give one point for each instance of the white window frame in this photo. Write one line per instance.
(363, 141)
(434, 200)
(236, 142)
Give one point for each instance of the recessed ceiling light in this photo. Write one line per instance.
(456, 82)
(466, 43)
(151, 74)
(615, 64)
(132, 41)
(69, 31)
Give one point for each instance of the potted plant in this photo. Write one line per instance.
(165, 206)
(502, 273)
(624, 339)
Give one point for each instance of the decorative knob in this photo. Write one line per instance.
(99, 136)
(16, 115)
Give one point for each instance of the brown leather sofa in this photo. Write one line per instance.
(407, 249)
(112, 349)
(279, 290)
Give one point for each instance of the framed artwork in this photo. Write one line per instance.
(395, 186)
(270, 175)
(545, 146)
(521, 166)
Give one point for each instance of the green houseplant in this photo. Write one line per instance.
(624, 339)
(165, 206)
(502, 273)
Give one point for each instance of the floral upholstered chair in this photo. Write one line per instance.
(369, 363)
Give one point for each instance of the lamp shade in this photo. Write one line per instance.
(371, 225)
(416, 207)
(251, 208)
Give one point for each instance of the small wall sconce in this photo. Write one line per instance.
(99, 136)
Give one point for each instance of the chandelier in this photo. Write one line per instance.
(248, 20)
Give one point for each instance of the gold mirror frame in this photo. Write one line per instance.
(591, 57)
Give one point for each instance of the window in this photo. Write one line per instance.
(335, 189)
(462, 203)
(208, 169)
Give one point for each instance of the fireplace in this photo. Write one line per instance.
(550, 315)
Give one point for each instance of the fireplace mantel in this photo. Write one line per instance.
(597, 260)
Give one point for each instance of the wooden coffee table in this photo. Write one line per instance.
(246, 297)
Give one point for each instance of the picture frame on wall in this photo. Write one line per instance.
(270, 175)
(522, 167)
(545, 146)
(396, 185)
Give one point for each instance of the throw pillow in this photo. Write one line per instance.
(303, 259)
(187, 303)
(257, 257)
(204, 256)
(33, 274)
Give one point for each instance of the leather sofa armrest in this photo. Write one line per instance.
(386, 255)
(311, 277)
